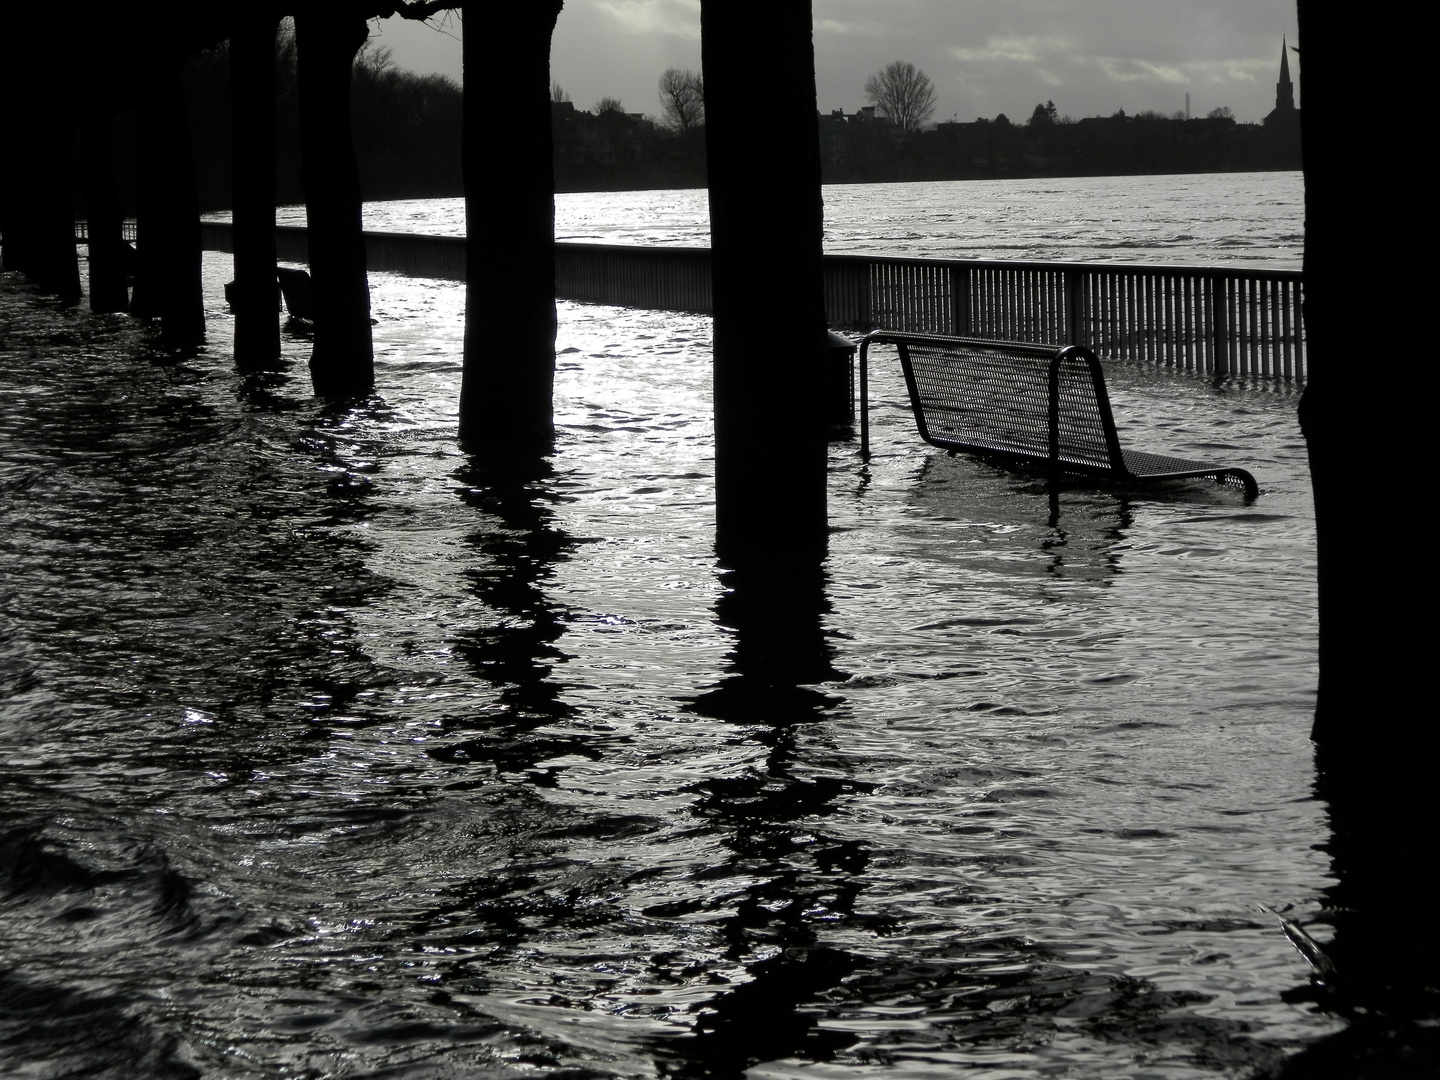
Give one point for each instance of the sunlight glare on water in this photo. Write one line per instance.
(1208, 219)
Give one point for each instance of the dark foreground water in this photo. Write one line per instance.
(328, 751)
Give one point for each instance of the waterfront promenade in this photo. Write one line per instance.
(1220, 321)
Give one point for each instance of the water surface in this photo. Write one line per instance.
(1202, 219)
(328, 751)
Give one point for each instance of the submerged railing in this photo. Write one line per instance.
(1219, 321)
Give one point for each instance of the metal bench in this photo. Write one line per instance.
(1038, 404)
(295, 287)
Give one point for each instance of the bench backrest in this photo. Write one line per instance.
(295, 287)
(1039, 402)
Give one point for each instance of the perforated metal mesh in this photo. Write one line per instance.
(1145, 466)
(994, 397)
(1087, 433)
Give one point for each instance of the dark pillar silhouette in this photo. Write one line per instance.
(1370, 652)
(13, 219)
(37, 202)
(1375, 729)
(50, 260)
(1355, 218)
(106, 218)
(167, 211)
(343, 362)
(15, 35)
(252, 105)
(104, 90)
(507, 388)
(762, 144)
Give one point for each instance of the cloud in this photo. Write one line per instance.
(1122, 70)
(861, 27)
(1014, 50)
(680, 18)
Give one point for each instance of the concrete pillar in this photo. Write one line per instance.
(762, 142)
(506, 391)
(343, 362)
(252, 110)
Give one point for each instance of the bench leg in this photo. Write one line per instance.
(1252, 489)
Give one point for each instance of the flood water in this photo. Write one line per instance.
(329, 751)
(1206, 219)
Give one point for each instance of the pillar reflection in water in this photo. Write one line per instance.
(1379, 968)
(773, 612)
(805, 882)
(518, 546)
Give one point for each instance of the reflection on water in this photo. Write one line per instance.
(515, 651)
(1082, 533)
(803, 881)
(1377, 968)
(329, 750)
(773, 615)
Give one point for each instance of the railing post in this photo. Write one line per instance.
(1251, 324)
(1302, 348)
(959, 300)
(1075, 308)
(1220, 325)
(865, 399)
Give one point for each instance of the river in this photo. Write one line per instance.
(1207, 219)
(329, 751)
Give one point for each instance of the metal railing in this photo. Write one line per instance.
(82, 231)
(668, 278)
(1221, 321)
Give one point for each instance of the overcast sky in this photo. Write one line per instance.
(1091, 57)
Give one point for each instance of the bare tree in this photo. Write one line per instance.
(558, 93)
(373, 61)
(682, 97)
(609, 105)
(904, 92)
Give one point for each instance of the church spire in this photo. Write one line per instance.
(1284, 89)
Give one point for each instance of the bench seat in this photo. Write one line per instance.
(1040, 404)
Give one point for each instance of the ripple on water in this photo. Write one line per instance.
(328, 748)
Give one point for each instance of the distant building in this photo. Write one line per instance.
(849, 137)
(1285, 114)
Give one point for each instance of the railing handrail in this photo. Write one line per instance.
(1132, 269)
(1224, 320)
(858, 257)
